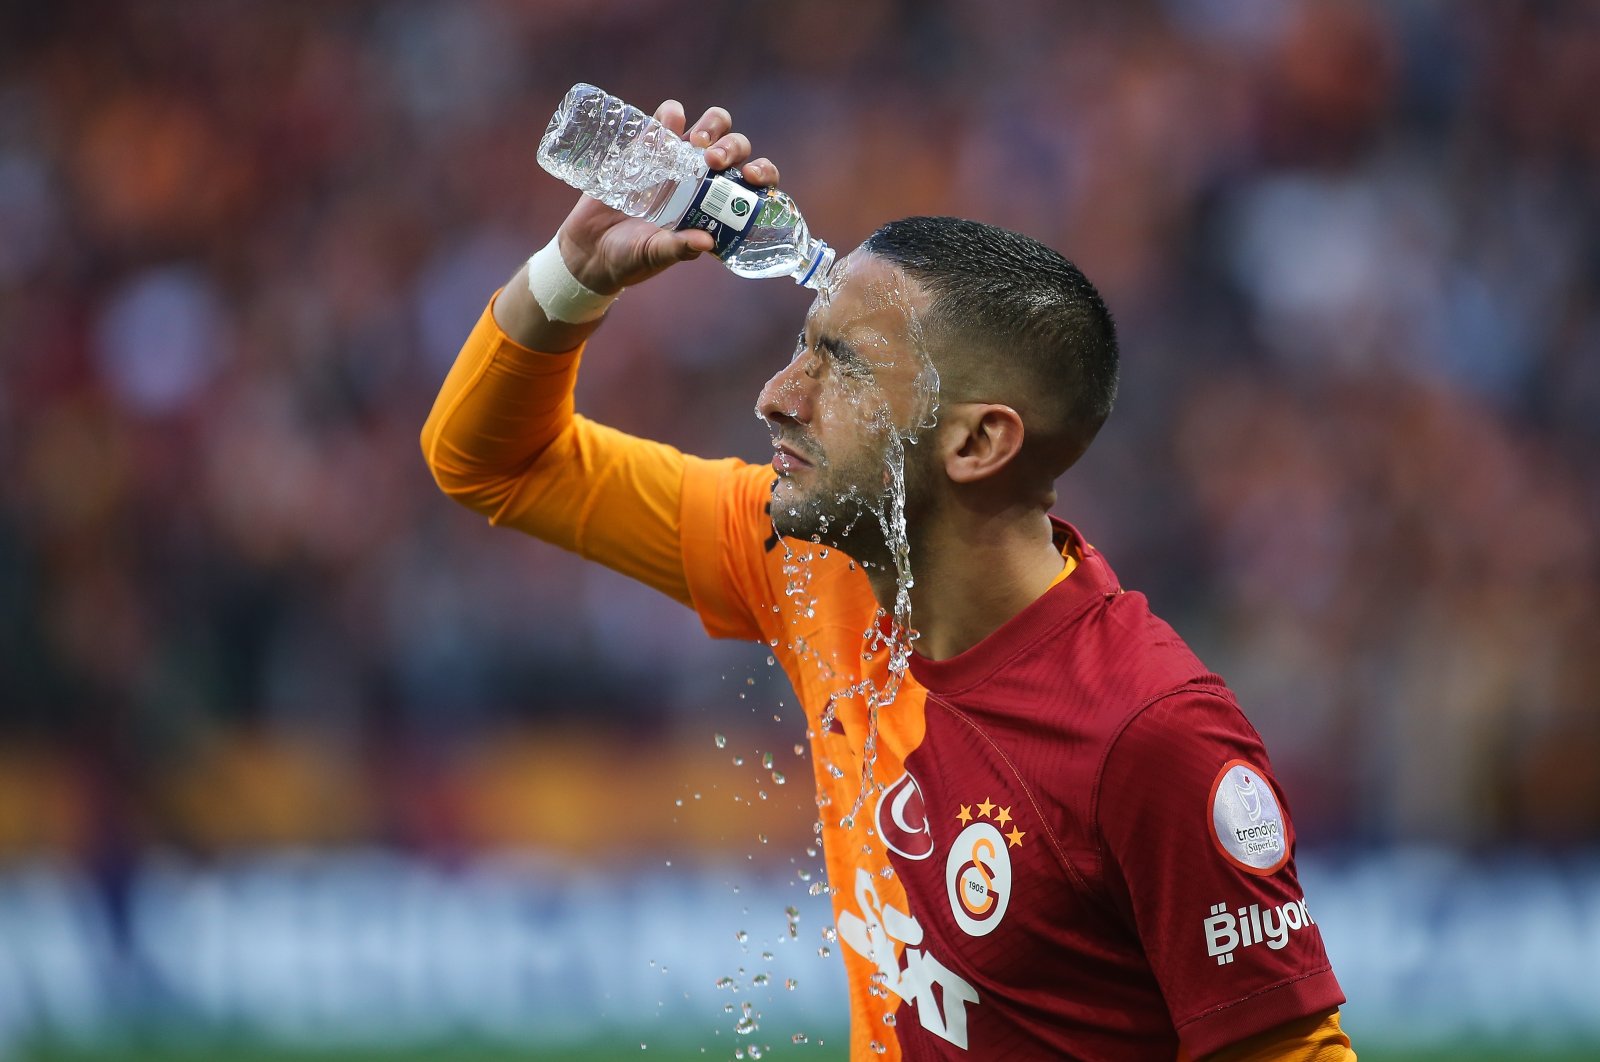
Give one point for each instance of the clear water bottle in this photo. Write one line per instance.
(632, 163)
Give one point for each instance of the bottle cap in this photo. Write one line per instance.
(821, 266)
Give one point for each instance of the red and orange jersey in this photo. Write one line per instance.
(1066, 842)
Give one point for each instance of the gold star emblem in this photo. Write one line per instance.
(1015, 837)
(1003, 816)
(985, 807)
(965, 814)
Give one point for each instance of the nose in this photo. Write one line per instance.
(788, 396)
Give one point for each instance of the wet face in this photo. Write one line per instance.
(843, 413)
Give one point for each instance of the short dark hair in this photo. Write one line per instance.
(994, 291)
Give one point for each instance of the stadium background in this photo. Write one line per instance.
(297, 760)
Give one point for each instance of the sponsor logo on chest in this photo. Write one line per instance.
(978, 884)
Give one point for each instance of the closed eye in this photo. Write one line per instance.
(846, 357)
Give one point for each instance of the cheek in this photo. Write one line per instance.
(922, 470)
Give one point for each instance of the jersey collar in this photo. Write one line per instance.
(1092, 580)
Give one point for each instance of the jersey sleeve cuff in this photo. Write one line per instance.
(1221, 1026)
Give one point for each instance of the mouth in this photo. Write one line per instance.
(786, 459)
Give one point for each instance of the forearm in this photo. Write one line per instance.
(501, 405)
(503, 440)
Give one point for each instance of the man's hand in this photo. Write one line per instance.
(607, 251)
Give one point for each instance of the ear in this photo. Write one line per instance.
(984, 439)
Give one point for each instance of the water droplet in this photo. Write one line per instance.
(725, 982)
(803, 874)
(800, 1038)
(771, 660)
(888, 1019)
(738, 761)
(877, 1048)
(799, 749)
(824, 952)
(741, 936)
(830, 934)
(766, 760)
(721, 740)
(760, 979)
(777, 778)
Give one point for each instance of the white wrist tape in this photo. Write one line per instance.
(559, 294)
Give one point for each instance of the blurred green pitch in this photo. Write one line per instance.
(157, 1050)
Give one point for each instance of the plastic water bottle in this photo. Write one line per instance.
(632, 163)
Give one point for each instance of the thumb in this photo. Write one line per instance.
(665, 248)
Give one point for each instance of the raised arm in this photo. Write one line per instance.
(503, 438)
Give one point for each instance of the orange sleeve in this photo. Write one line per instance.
(1317, 1038)
(504, 441)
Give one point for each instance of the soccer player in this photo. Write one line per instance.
(1050, 832)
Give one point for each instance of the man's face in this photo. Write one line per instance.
(858, 386)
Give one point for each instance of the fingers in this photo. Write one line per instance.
(712, 126)
(760, 171)
(670, 114)
(726, 149)
(694, 243)
(664, 248)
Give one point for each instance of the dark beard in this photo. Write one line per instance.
(843, 520)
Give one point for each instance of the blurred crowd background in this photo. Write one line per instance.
(1354, 253)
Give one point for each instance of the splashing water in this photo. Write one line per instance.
(877, 503)
(888, 510)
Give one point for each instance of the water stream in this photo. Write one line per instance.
(874, 511)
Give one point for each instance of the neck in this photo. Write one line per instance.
(971, 576)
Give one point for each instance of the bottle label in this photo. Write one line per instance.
(724, 206)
